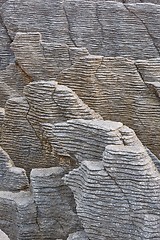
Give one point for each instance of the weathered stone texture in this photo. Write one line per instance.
(117, 88)
(18, 216)
(86, 139)
(18, 137)
(76, 63)
(2, 113)
(122, 186)
(56, 216)
(52, 103)
(6, 54)
(11, 178)
(80, 235)
(12, 82)
(48, 59)
(107, 28)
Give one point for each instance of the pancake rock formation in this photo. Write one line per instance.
(80, 119)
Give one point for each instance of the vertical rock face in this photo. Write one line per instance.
(56, 216)
(11, 178)
(116, 196)
(2, 113)
(52, 103)
(104, 27)
(6, 54)
(120, 93)
(18, 216)
(48, 59)
(18, 137)
(117, 88)
(64, 67)
(26, 134)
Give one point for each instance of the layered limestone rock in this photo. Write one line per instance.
(115, 88)
(87, 139)
(6, 54)
(12, 82)
(64, 67)
(18, 137)
(11, 178)
(45, 211)
(48, 59)
(18, 216)
(51, 103)
(26, 128)
(104, 27)
(2, 113)
(54, 200)
(123, 184)
(118, 88)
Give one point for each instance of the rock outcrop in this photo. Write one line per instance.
(118, 88)
(11, 178)
(117, 196)
(76, 77)
(110, 28)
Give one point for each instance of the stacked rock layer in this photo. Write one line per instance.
(76, 77)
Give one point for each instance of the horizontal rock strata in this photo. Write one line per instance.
(68, 69)
(18, 137)
(87, 139)
(104, 27)
(46, 210)
(122, 186)
(52, 103)
(56, 215)
(117, 88)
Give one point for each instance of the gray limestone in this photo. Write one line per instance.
(18, 216)
(11, 178)
(76, 77)
(86, 139)
(80, 235)
(104, 27)
(118, 198)
(18, 137)
(56, 215)
(118, 88)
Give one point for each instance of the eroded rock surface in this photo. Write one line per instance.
(64, 67)
(56, 215)
(18, 137)
(121, 185)
(11, 178)
(104, 27)
(118, 88)
(18, 215)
